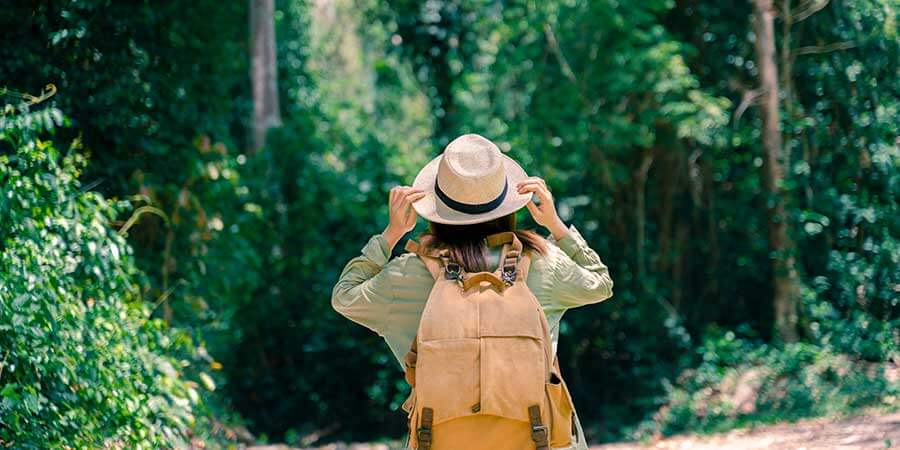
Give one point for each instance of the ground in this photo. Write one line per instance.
(871, 431)
(862, 432)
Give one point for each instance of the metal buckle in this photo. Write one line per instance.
(539, 433)
(452, 271)
(423, 435)
(508, 275)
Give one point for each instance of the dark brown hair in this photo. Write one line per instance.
(466, 242)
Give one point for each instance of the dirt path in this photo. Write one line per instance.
(863, 432)
(873, 431)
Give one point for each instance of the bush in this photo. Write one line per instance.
(82, 364)
(740, 380)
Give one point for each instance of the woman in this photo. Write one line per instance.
(468, 193)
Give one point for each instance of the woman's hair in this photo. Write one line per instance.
(466, 242)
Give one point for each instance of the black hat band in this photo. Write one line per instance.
(471, 208)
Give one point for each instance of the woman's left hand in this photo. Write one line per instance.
(544, 214)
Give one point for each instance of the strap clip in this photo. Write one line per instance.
(539, 433)
(508, 275)
(424, 436)
(453, 271)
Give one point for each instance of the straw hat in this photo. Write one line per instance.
(470, 182)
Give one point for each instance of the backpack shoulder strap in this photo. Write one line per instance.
(512, 247)
(524, 265)
(431, 258)
(513, 256)
(409, 361)
(503, 237)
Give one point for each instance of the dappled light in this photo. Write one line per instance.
(182, 184)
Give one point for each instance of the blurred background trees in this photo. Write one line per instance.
(741, 186)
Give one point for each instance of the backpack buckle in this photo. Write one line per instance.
(452, 271)
(424, 436)
(508, 275)
(539, 433)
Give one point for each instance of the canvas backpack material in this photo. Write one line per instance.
(482, 367)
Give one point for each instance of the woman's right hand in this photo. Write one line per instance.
(402, 215)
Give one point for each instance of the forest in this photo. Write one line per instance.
(182, 182)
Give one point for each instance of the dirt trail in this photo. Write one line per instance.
(872, 431)
(863, 432)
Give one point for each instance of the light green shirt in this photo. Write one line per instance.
(388, 295)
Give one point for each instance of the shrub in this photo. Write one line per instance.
(82, 364)
(740, 380)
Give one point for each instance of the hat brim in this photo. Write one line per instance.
(430, 207)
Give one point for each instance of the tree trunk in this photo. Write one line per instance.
(640, 178)
(780, 244)
(264, 70)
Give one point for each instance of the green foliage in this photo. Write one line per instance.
(741, 380)
(158, 94)
(842, 125)
(635, 113)
(81, 363)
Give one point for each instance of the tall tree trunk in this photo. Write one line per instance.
(640, 178)
(264, 71)
(780, 244)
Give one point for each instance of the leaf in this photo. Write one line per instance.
(207, 381)
(9, 392)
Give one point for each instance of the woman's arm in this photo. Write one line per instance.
(577, 275)
(363, 292)
(360, 294)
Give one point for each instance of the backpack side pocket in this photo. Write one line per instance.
(560, 404)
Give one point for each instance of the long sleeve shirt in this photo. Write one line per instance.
(388, 295)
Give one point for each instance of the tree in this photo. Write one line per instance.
(786, 293)
(263, 72)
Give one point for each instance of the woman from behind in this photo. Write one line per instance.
(471, 312)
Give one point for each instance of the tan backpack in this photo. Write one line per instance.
(482, 367)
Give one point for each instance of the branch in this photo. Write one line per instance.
(557, 51)
(137, 214)
(807, 9)
(165, 296)
(815, 49)
(747, 98)
(47, 92)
